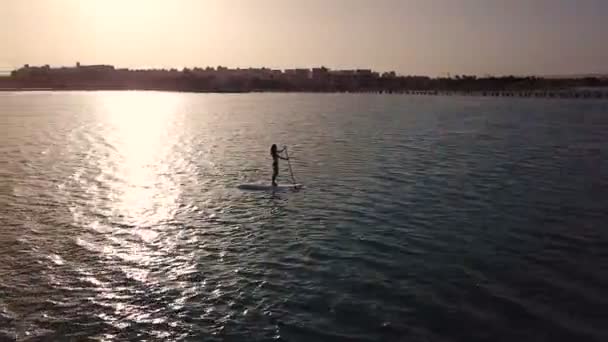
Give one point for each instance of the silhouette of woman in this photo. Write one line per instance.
(275, 162)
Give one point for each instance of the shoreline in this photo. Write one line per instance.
(601, 93)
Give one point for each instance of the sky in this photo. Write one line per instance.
(412, 37)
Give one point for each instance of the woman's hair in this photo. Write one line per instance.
(273, 149)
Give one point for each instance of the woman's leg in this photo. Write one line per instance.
(275, 173)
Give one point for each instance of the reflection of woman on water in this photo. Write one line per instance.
(275, 162)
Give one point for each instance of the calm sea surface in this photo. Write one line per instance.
(422, 218)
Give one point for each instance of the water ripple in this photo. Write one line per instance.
(421, 219)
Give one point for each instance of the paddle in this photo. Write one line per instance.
(293, 179)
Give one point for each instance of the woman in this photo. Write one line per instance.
(275, 162)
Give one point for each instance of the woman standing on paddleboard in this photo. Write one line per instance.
(275, 162)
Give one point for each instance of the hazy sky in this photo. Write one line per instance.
(410, 36)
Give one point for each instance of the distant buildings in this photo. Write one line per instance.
(318, 79)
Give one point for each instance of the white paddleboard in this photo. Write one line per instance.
(268, 187)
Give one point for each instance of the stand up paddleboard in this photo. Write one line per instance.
(269, 187)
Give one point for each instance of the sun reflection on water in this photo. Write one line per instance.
(140, 131)
(134, 197)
